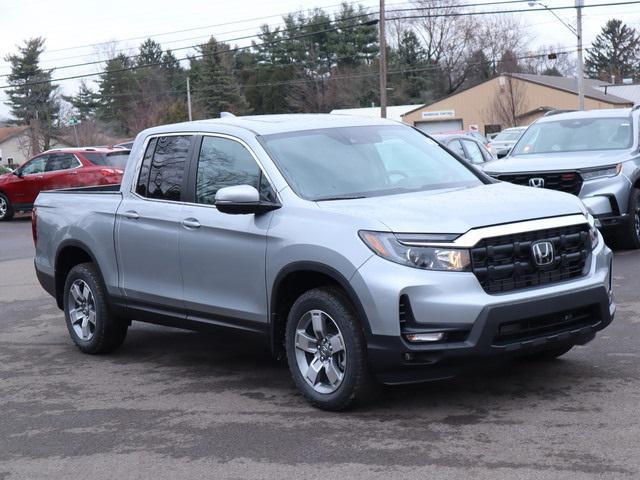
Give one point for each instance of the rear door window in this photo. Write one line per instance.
(166, 168)
(65, 161)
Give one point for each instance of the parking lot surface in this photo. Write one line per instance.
(178, 404)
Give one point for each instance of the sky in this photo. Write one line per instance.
(83, 31)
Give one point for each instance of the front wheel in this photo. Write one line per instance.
(91, 324)
(6, 211)
(326, 351)
(630, 235)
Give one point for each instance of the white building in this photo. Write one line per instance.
(393, 113)
(13, 145)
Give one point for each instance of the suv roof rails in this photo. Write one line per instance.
(226, 114)
(559, 111)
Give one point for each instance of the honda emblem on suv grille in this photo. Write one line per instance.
(543, 253)
(537, 182)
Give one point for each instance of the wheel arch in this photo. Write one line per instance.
(69, 254)
(301, 277)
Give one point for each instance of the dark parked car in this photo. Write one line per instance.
(55, 169)
(467, 147)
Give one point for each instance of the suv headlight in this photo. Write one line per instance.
(593, 231)
(611, 171)
(387, 245)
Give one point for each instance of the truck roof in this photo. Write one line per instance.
(601, 113)
(270, 124)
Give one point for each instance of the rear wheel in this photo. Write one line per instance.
(6, 210)
(91, 324)
(326, 351)
(630, 235)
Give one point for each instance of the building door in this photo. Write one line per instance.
(439, 126)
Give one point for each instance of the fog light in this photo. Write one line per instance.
(425, 337)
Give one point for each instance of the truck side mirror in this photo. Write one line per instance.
(242, 200)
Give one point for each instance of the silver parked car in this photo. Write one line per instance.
(592, 154)
(359, 248)
(504, 141)
(467, 147)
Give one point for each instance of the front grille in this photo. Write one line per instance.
(506, 263)
(546, 325)
(570, 182)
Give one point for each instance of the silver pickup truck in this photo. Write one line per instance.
(361, 249)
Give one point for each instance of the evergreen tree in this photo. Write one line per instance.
(614, 53)
(32, 96)
(86, 101)
(117, 93)
(150, 52)
(215, 87)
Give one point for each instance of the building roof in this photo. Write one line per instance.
(570, 84)
(629, 92)
(9, 132)
(566, 84)
(394, 112)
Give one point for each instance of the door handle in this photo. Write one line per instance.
(73, 173)
(191, 223)
(131, 214)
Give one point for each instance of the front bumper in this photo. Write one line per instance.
(395, 361)
(455, 301)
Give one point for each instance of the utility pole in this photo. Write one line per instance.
(383, 64)
(189, 99)
(579, 5)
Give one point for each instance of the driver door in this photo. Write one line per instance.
(32, 180)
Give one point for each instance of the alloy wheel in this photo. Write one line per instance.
(320, 351)
(3, 207)
(82, 310)
(636, 218)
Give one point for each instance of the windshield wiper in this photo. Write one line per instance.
(339, 197)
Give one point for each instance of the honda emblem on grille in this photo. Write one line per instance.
(537, 182)
(543, 253)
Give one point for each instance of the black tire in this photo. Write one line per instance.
(109, 331)
(630, 235)
(358, 385)
(549, 354)
(6, 213)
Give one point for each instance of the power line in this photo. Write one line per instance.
(426, 8)
(340, 76)
(451, 14)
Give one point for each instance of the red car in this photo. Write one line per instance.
(55, 169)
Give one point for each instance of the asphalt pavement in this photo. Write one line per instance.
(176, 404)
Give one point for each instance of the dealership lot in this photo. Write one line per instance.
(173, 403)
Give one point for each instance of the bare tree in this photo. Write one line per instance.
(509, 103)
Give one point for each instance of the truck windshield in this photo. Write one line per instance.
(355, 162)
(580, 134)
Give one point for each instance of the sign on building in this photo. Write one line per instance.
(438, 114)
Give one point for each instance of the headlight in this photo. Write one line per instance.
(602, 172)
(386, 245)
(593, 231)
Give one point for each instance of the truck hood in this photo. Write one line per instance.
(459, 210)
(556, 161)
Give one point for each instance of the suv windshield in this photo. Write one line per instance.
(336, 163)
(579, 134)
(116, 159)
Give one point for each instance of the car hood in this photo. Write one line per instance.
(459, 210)
(555, 161)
